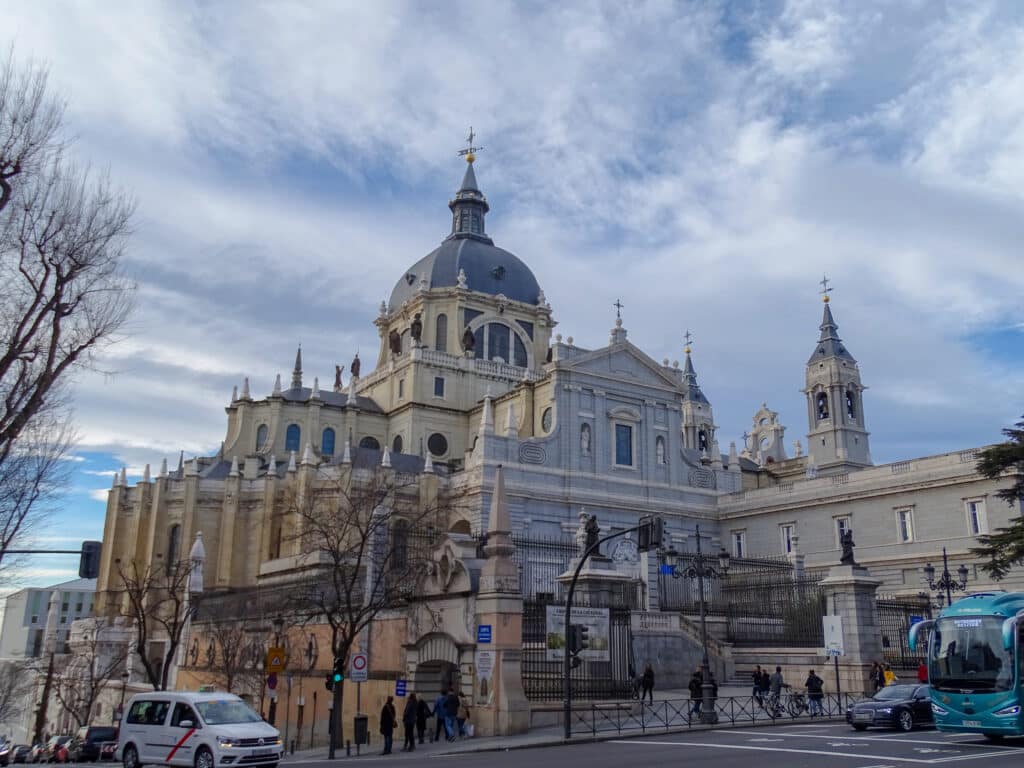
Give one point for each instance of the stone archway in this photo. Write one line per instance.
(435, 664)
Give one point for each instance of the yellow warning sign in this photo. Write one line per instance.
(275, 660)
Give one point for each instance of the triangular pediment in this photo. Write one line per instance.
(626, 362)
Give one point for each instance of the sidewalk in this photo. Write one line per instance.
(545, 736)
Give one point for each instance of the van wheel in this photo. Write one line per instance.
(995, 737)
(204, 758)
(130, 758)
(905, 720)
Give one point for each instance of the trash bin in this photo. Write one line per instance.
(360, 729)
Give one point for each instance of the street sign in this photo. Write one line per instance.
(483, 633)
(272, 681)
(484, 665)
(916, 620)
(399, 687)
(833, 626)
(275, 660)
(359, 668)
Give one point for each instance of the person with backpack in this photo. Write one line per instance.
(815, 687)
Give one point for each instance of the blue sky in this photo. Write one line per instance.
(705, 163)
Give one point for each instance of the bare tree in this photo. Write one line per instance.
(63, 231)
(154, 599)
(94, 662)
(17, 681)
(374, 531)
(228, 657)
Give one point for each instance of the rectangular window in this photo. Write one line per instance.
(976, 523)
(401, 388)
(78, 607)
(905, 525)
(438, 386)
(623, 445)
(786, 531)
(842, 526)
(35, 620)
(739, 543)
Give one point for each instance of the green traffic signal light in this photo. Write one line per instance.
(337, 677)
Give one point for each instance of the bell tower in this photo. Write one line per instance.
(837, 438)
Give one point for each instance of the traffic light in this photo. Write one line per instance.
(339, 671)
(329, 682)
(89, 560)
(572, 639)
(650, 534)
(582, 638)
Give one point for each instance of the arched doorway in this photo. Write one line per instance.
(435, 665)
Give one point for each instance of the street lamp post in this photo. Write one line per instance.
(120, 707)
(946, 582)
(278, 625)
(700, 570)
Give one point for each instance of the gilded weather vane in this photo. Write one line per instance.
(688, 337)
(470, 151)
(825, 289)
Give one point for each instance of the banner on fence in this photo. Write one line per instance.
(833, 627)
(596, 620)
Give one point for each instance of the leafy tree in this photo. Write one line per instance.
(1005, 548)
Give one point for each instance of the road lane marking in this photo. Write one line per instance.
(790, 750)
(738, 732)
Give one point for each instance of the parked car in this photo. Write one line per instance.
(196, 730)
(21, 753)
(6, 748)
(56, 750)
(35, 754)
(108, 750)
(85, 746)
(895, 706)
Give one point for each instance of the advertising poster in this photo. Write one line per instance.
(597, 622)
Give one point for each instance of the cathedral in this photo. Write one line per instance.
(471, 380)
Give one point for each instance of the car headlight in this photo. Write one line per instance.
(885, 710)
(937, 710)
(225, 741)
(1006, 711)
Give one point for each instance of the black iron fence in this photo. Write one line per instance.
(633, 717)
(896, 615)
(541, 562)
(678, 594)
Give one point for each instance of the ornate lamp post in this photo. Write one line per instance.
(946, 583)
(699, 570)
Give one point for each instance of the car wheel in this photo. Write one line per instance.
(130, 759)
(204, 758)
(994, 736)
(860, 727)
(905, 720)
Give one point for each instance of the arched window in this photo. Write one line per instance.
(702, 440)
(262, 431)
(292, 438)
(441, 333)
(851, 409)
(327, 442)
(822, 402)
(400, 545)
(173, 546)
(369, 442)
(396, 444)
(659, 449)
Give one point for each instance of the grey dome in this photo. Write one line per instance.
(488, 269)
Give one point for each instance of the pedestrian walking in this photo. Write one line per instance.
(922, 672)
(756, 690)
(815, 687)
(388, 716)
(647, 684)
(439, 714)
(409, 723)
(451, 712)
(775, 685)
(877, 676)
(888, 675)
(696, 692)
(422, 713)
(463, 715)
(765, 685)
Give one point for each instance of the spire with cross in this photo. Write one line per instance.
(618, 309)
(688, 338)
(470, 151)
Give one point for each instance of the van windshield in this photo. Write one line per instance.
(223, 711)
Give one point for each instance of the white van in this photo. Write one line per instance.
(204, 730)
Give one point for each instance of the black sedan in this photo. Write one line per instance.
(895, 706)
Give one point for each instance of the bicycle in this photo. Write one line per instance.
(796, 703)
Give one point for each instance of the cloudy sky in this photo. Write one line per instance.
(705, 163)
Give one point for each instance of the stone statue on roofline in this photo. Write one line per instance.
(847, 543)
(355, 367)
(416, 329)
(337, 377)
(468, 340)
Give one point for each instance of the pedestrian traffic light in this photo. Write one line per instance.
(89, 560)
(329, 682)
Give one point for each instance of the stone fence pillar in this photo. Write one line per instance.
(850, 590)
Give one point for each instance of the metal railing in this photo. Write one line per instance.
(633, 717)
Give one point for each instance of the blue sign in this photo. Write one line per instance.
(667, 570)
(483, 633)
(916, 620)
(399, 687)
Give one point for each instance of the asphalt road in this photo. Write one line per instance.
(797, 746)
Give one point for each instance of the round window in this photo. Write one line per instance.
(438, 444)
(545, 420)
(396, 444)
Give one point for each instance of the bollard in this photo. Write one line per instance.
(348, 748)
(293, 747)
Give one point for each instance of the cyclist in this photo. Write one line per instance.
(775, 686)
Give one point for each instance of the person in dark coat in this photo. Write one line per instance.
(422, 713)
(647, 684)
(815, 693)
(696, 692)
(388, 718)
(409, 723)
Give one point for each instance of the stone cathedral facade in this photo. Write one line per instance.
(470, 375)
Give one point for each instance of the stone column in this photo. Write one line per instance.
(501, 708)
(850, 590)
